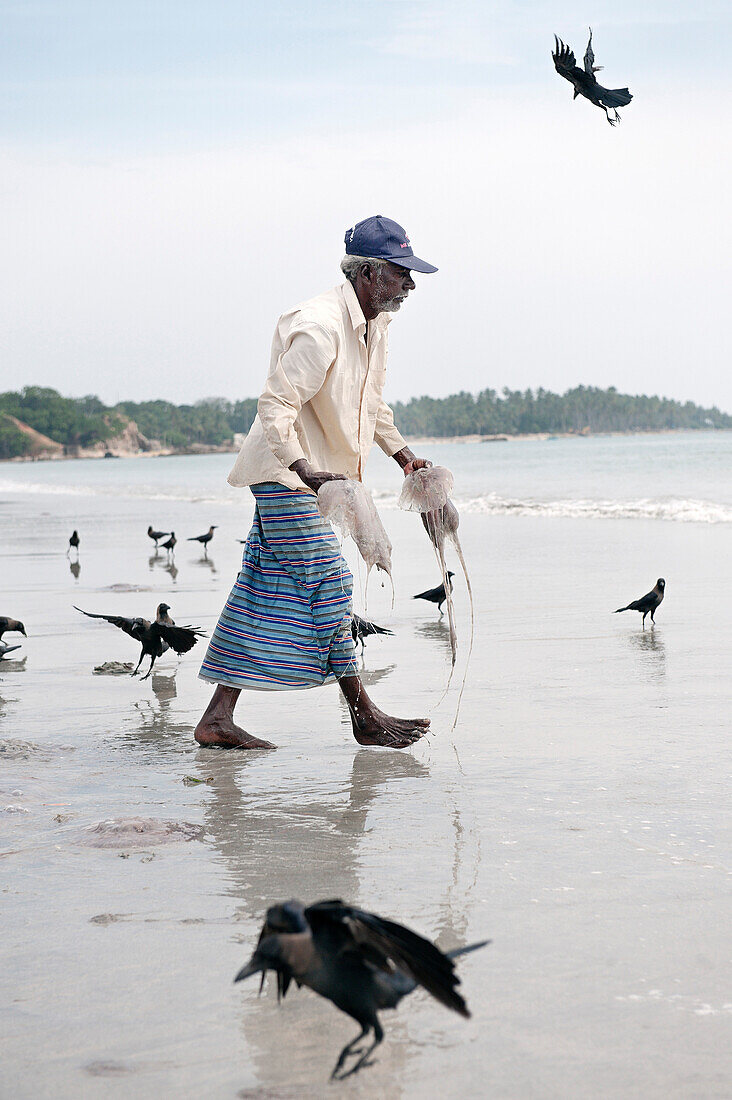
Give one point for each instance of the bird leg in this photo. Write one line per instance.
(350, 1048)
(134, 672)
(152, 662)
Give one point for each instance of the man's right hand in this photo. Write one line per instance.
(313, 478)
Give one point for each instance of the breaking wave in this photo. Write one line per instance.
(675, 509)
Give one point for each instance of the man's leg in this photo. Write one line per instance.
(371, 726)
(217, 727)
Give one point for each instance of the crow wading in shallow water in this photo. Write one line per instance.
(436, 595)
(357, 960)
(648, 603)
(11, 626)
(156, 535)
(362, 629)
(204, 539)
(155, 638)
(584, 80)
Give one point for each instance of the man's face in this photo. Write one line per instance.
(391, 287)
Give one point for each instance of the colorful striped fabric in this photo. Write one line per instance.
(287, 622)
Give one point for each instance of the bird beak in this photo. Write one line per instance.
(248, 970)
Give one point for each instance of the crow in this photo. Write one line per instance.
(358, 960)
(169, 544)
(362, 629)
(11, 626)
(156, 535)
(205, 539)
(648, 603)
(436, 595)
(584, 80)
(5, 649)
(155, 638)
(74, 543)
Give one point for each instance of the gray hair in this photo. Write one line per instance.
(351, 265)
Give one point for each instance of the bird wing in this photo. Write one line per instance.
(589, 59)
(134, 627)
(430, 593)
(179, 638)
(387, 944)
(564, 61)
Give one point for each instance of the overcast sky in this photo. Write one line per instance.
(175, 174)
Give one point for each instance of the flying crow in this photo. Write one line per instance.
(358, 960)
(648, 603)
(155, 638)
(584, 80)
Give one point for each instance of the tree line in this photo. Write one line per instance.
(84, 421)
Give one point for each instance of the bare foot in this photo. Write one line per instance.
(372, 727)
(223, 734)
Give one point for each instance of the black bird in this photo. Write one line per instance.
(358, 960)
(169, 544)
(362, 629)
(11, 626)
(584, 80)
(74, 542)
(205, 539)
(155, 638)
(648, 603)
(156, 535)
(436, 595)
(5, 649)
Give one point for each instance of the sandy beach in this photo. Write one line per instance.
(578, 816)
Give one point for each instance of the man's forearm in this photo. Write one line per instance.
(404, 457)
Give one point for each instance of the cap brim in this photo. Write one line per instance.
(413, 263)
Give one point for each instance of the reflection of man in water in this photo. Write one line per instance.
(286, 623)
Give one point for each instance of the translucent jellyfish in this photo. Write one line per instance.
(428, 491)
(349, 506)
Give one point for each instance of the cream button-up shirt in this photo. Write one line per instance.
(323, 398)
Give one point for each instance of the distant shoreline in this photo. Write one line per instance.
(411, 440)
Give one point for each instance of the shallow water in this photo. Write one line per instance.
(578, 816)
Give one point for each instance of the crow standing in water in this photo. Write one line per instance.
(584, 80)
(155, 638)
(648, 603)
(169, 544)
(436, 595)
(362, 629)
(11, 626)
(73, 543)
(357, 960)
(205, 539)
(156, 535)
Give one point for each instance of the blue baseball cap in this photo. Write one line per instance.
(383, 239)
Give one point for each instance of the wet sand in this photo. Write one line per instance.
(578, 816)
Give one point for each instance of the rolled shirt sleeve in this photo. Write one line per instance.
(298, 375)
(386, 435)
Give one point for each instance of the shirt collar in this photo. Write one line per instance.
(356, 313)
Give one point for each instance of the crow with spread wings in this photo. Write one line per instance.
(156, 637)
(584, 79)
(358, 960)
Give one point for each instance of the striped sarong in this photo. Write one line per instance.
(287, 622)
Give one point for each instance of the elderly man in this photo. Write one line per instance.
(286, 623)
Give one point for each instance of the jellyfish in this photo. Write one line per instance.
(349, 506)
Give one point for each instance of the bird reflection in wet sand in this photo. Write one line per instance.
(207, 563)
(75, 569)
(163, 562)
(278, 839)
(154, 722)
(436, 630)
(650, 646)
